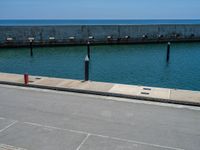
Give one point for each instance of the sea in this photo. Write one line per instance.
(137, 64)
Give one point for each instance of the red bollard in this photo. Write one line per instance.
(26, 79)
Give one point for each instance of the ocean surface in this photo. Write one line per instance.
(93, 22)
(141, 64)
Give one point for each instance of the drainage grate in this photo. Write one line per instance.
(148, 89)
(37, 78)
(144, 93)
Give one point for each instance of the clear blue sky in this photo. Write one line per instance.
(99, 9)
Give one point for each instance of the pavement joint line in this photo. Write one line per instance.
(103, 136)
(118, 99)
(9, 147)
(1, 118)
(170, 91)
(55, 128)
(8, 126)
(138, 142)
(83, 142)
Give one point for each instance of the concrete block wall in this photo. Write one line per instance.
(136, 34)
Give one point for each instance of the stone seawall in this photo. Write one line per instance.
(97, 34)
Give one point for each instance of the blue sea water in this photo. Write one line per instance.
(93, 22)
(141, 64)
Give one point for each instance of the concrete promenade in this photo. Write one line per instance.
(38, 119)
(107, 89)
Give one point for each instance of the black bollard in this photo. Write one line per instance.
(31, 48)
(87, 61)
(168, 51)
(88, 49)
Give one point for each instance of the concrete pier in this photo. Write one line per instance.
(15, 36)
(184, 97)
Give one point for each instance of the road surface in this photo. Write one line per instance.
(35, 119)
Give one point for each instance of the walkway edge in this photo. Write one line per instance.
(172, 101)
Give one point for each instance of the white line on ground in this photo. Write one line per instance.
(9, 147)
(55, 128)
(141, 143)
(2, 118)
(8, 126)
(106, 97)
(83, 142)
(103, 136)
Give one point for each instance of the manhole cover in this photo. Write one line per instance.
(8, 147)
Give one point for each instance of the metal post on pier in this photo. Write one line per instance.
(88, 49)
(31, 39)
(87, 63)
(168, 51)
(31, 48)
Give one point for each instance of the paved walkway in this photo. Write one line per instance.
(101, 88)
(35, 119)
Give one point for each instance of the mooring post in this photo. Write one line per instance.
(88, 49)
(87, 61)
(168, 51)
(26, 78)
(31, 48)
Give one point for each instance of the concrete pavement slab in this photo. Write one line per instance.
(65, 83)
(184, 95)
(48, 81)
(10, 77)
(124, 89)
(154, 92)
(94, 86)
(74, 84)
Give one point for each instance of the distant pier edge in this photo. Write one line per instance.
(17, 36)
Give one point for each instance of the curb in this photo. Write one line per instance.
(170, 101)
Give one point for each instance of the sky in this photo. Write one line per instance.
(99, 9)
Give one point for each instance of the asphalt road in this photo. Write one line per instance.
(36, 119)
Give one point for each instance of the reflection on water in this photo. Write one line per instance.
(130, 64)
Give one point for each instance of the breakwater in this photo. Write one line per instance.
(97, 34)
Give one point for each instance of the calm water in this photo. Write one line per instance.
(129, 64)
(93, 22)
